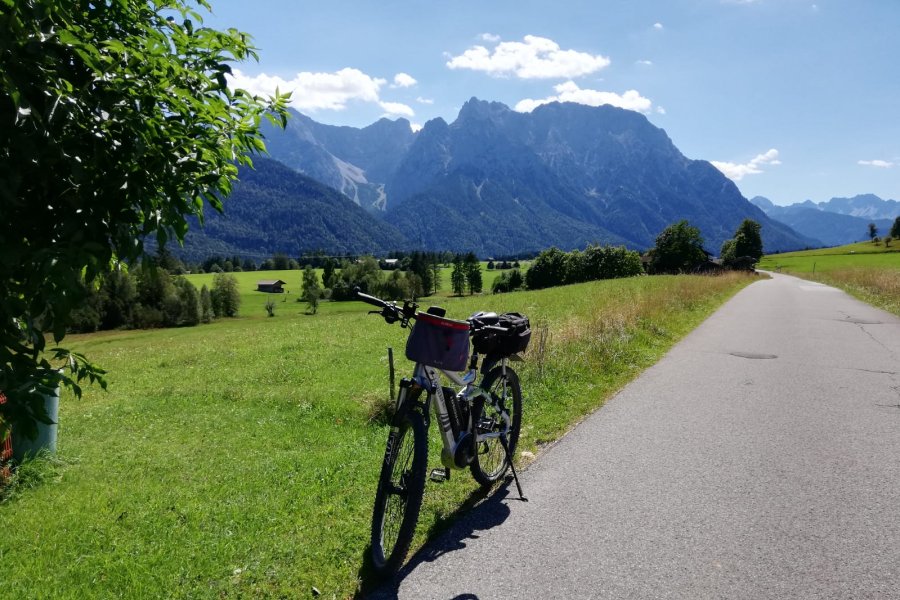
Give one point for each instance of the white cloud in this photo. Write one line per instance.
(327, 91)
(646, 63)
(422, 100)
(396, 109)
(660, 110)
(657, 26)
(489, 37)
(415, 127)
(533, 58)
(881, 164)
(315, 91)
(736, 172)
(570, 92)
(403, 80)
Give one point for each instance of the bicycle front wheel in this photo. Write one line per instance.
(505, 398)
(400, 490)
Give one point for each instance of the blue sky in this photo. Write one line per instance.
(793, 99)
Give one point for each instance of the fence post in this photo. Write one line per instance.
(391, 370)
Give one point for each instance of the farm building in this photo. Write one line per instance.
(271, 286)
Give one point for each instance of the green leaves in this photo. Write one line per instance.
(122, 124)
(679, 249)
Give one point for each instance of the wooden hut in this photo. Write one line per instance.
(270, 286)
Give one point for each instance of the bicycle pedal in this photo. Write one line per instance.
(440, 475)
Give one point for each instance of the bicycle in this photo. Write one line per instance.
(479, 424)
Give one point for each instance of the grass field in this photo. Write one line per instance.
(869, 272)
(238, 459)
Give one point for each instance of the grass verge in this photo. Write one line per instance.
(239, 460)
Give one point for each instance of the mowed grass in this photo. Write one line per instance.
(238, 459)
(869, 272)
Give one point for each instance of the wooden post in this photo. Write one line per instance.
(391, 370)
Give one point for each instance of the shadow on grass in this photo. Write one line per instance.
(481, 511)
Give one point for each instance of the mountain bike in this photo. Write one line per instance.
(479, 422)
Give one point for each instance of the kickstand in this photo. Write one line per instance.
(505, 445)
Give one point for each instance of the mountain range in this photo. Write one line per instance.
(494, 181)
(837, 221)
(274, 209)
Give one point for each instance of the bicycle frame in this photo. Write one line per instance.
(428, 378)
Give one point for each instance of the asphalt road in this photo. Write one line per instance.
(759, 459)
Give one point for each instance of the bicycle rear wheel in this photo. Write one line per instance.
(505, 396)
(399, 496)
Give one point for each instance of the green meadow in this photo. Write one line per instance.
(239, 459)
(868, 271)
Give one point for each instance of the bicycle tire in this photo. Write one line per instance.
(490, 458)
(398, 500)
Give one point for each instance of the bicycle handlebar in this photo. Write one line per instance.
(370, 299)
(390, 312)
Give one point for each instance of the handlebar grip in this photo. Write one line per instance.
(370, 299)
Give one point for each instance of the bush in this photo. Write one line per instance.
(508, 281)
(548, 270)
(555, 267)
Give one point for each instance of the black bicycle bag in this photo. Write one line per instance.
(515, 339)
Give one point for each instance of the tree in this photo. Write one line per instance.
(206, 307)
(435, 274)
(745, 248)
(895, 229)
(157, 297)
(189, 303)
(226, 298)
(119, 297)
(679, 249)
(312, 291)
(396, 287)
(126, 103)
(472, 271)
(873, 231)
(508, 282)
(458, 276)
(420, 265)
(328, 276)
(547, 270)
(364, 274)
(281, 262)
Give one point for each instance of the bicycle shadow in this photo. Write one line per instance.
(481, 511)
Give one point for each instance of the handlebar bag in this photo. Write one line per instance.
(438, 342)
